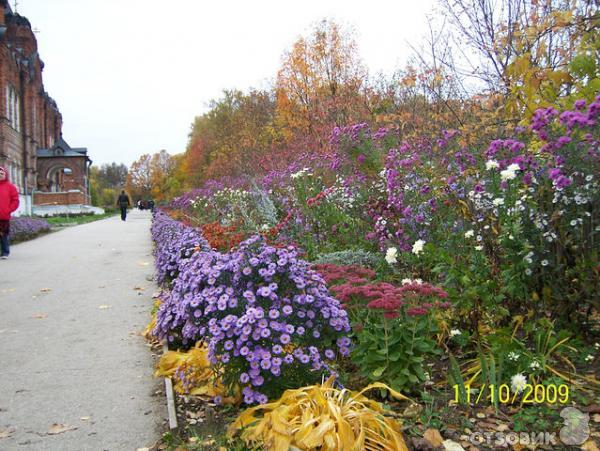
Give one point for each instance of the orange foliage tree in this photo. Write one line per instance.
(321, 84)
(151, 176)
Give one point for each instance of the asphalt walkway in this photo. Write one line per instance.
(74, 372)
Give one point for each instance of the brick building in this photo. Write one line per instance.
(38, 160)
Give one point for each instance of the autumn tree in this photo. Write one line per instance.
(231, 137)
(148, 176)
(531, 52)
(105, 183)
(320, 83)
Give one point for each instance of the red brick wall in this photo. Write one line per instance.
(68, 198)
(41, 126)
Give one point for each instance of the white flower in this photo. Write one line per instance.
(391, 255)
(418, 247)
(514, 356)
(589, 358)
(406, 281)
(418, 281)
(264, 227)
(589, 178)
(300, 173)
(455, 332)
(510, 172)
(535, 365)
(491, 164)
(478, 248)
(498, 201)
(573, 222)
(469, 234)
(544, 262)
(597, 345)
(528, 271)
(518, 382)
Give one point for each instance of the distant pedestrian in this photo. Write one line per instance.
(151, 205)
(9, 202)
(123, 203)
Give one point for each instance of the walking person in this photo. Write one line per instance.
(9, 202)
(123, 203)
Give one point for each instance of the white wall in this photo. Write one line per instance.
(24, 206)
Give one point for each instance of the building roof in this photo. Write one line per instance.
(62, 149)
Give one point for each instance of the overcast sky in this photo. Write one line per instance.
(129, 76)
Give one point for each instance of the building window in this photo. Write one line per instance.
(13, 108)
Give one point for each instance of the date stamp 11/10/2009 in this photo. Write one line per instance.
(505, 394)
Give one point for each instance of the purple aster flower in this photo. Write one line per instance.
(265, 333)
(285, 339)
(264, 291)
(273, 314)
(288, 359)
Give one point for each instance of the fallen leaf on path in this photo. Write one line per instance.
(45, 290)
(590, 445)
(143, 449)
(138, 288)
(596, 418)
(102, 286)
(594, 408)
(85, 418)
(5, 433)
(450, 445)
(434, 437)
(104, 307)
(143, 263)
(58, 428)
(40, 315)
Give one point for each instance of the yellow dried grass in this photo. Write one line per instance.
(321, 416)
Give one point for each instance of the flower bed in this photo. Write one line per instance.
(24, 228)
(453, 266)
(266, 317)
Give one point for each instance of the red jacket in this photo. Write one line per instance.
(9, 198)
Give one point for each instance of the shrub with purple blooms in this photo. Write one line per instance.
(267, 318)
(24, 228)
(175, 242)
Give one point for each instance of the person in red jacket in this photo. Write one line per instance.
(9, 202)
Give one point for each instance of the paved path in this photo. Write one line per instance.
(71, 306)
